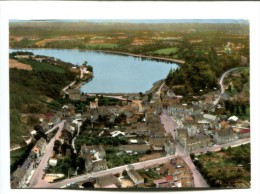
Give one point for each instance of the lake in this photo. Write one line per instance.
(112, 73)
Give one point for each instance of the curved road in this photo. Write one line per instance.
(221, 82)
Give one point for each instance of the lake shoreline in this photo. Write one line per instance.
(127, 75)
(162, 59)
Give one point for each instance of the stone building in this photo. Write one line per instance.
(224, 135)
(74, 94)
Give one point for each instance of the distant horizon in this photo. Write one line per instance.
(144, 21)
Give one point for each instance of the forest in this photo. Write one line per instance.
(29, 91)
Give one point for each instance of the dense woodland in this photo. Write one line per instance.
(200, 73)
(29, 91)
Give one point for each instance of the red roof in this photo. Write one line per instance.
(243, 131)
(169, 178)
(160, 181)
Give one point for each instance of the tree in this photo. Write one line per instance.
(90, 68)
(192, 156)
(85, 63)
(80, 163)
(212, 56)
(232, 108)
(243, 108)
(237, 109)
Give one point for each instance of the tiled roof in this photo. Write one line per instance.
(160, 181)
(243, 131)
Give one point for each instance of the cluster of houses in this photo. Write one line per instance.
(21, 176)
(95, 158)
(197, 129)
(145, 135)
(173, 174)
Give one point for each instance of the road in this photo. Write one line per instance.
(159, 90)
(199, 181)
(85, 177)
(221, 82)
(170, 127)
(66, 88)
(216, 148)
(36, 179)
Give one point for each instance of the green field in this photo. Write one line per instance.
(102, 46)
(227, 168)
(41, 66)
(166, 51)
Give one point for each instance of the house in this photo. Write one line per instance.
(159, 182)
(138, 129)
(183, 110)
(68, 110)
(107, 181)
(224, 135)
(156, 130)
(39, 148)
(53, 161)
(21, 177)
(93, 104)
(157, 143)
(166, 169)
(99, 165)
(191, 126)
(198, 142)
(88, 163)
(244, 133)
(135, 176)
(68, 127)
(169, 147)
(74, 94)
(225, 125)
(210, 117)
(97, 150)
(233, 118)
(94, 158)
(193, 143)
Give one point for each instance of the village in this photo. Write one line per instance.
(108, 131)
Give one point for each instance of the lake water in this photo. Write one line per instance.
(112, 73)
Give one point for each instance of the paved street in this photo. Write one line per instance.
(222, 85)
(115, 170)
(36, 180)
(170, 127)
